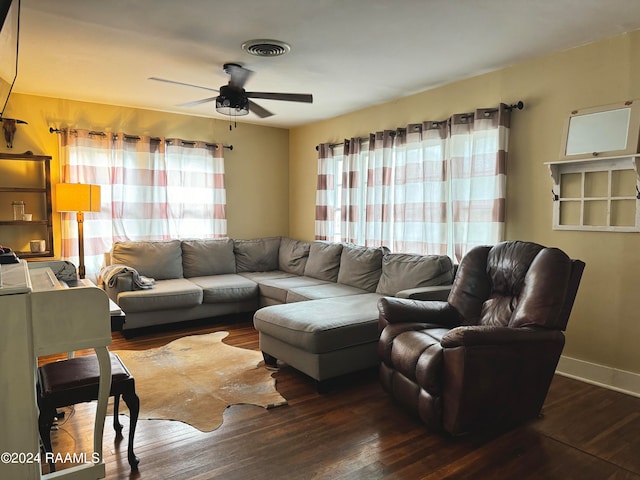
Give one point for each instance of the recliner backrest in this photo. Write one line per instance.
(516, 284)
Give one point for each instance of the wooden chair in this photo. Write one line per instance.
(75, 380)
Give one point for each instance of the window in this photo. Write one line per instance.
(152, 189)
(430, 188)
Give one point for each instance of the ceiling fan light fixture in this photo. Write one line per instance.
(266, 48)
(232, 102)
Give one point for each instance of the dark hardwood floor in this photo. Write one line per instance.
(356, 432)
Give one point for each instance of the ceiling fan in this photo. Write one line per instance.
(233, 99)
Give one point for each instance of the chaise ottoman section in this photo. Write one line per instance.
(325, 290)
(322, 338)
(166, 294)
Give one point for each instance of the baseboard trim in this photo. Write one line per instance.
(600, 375)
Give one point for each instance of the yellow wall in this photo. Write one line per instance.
(605, 324)
(257, 169)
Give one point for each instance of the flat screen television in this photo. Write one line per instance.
(9, 30)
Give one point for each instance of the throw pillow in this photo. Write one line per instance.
(160, 260)
(324, 261)
(402, 271)
(361, 267)
(257, 255)
(293, 255)
(208, 257)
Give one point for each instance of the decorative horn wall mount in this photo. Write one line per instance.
(9, 129)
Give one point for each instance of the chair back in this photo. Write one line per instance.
(516, 284)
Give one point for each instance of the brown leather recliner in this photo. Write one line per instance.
(485, 358)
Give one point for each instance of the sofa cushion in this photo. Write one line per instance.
(260, 277)
(156, 259)
(325, 290)
(361, 267)
(293, 255)
(324, 261)
(208, 257)
(257, 255)
(402, 271)
(165, 295)
(277, 288)
(227, 288)
(306, 325)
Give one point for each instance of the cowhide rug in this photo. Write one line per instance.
(193, 379)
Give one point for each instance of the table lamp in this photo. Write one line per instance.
(79, 198)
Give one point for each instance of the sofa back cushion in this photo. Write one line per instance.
(324, 261)
(293, 255)
(201, 258)
(402, 271)
(161, 260)
(257, 255)
(361, 267)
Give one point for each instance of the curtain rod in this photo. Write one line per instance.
(519, 105)
(136, 137)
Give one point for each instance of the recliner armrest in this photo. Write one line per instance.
(485, 335)
(401, 310)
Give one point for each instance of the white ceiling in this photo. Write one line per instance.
(349, 54)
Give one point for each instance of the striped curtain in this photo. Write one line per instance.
(379, 209)
(421, 190)
(86, 158)
(355, 169)
(327, 195)
(196, 195)
(478, 145)
(432, 188)
(151, 189)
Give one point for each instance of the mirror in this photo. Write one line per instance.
(602, 131)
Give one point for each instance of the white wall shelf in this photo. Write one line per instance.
(597, 194)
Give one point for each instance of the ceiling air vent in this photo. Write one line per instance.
(266, 48)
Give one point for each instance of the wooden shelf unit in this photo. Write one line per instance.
(26, 177)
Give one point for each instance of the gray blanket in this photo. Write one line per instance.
(110, 273)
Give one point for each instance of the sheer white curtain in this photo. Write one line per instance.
(151, 189)
(433, 188)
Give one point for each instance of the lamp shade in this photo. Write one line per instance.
(77, 197)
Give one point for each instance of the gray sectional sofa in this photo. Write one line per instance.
(315, 303)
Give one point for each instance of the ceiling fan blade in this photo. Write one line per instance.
(287, 97)
(197, 102)
(239, 75)
(181, 83)
(258, 110)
